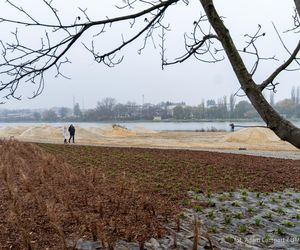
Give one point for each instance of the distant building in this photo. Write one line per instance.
(172, 105)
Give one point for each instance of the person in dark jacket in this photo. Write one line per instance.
(232, 127)
(72, 133)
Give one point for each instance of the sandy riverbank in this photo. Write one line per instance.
(249, 138)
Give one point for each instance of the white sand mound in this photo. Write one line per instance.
(98, 131)
(119, 131)
(7, 132)
(87, 134)
(56, 133)
(252, 135)
(116, 131)
(43, 132)
(51, 133)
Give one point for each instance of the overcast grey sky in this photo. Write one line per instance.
(138, 75)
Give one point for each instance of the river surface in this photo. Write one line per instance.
(156, 126)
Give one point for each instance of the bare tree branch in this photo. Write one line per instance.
(192, 50)
(251, 44)
(283, 44)
(101, 58)
(198, 44)
(23, 63)
(282, 67)
(54, 11)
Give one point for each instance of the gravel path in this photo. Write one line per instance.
(293, 155)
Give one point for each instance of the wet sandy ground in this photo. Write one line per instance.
(208, 141)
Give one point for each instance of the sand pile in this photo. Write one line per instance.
(51, 133)
(98, 131)
(7, 132)
(118, 131)
(252, 135)
(43, 132)
(87, 133)
(123, 132)
(56, 133)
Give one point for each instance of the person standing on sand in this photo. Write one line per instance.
(72, 133)
(65, 135)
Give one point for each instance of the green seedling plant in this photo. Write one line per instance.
(288, 223)
(250, 210)
(257, 222)
(211, 214)
(198, 209)
(266, 238)
(280, 231)
(243, 228)
(221, 198)
(196, 197)
(296, 200)
(268, 216)
(279, 210)
(213, 229)
(244, 198)
(223, 209)
(238, 215)
(235, 204)
(227, 219)
(260, 203)
(244, 193)
(288, 205)
(211, 203)
(229, 239)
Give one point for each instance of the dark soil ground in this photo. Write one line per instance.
(50, 193)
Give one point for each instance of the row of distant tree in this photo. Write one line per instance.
(108, 109)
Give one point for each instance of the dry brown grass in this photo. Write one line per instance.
(45, 201)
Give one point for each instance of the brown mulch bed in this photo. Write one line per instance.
(174, 171)
(50, 193)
